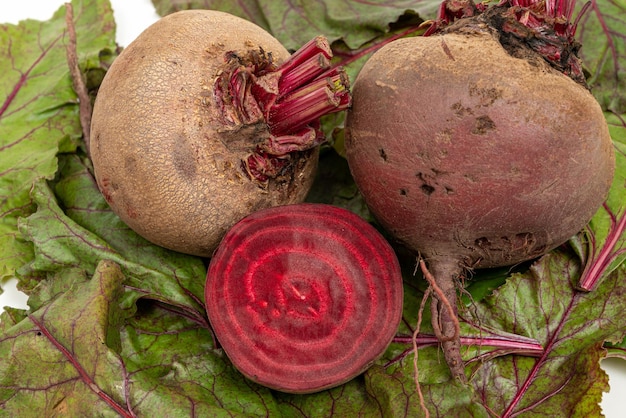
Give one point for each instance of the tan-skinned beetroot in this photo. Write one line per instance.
(190, 133)
(475, 150)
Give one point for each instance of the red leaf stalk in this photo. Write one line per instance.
(545, 26)
(290, 99)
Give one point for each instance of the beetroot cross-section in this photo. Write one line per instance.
(303, 297)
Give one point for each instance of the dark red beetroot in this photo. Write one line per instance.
(475, 149)
(303, 297)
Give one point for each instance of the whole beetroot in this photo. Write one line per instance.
(479, 145)
(205, 118)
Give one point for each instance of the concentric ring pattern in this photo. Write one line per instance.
(303, 297)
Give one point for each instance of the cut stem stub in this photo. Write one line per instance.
(290, 99)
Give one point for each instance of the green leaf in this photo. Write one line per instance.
(396, 391)
(54, 285)
(82, 353)
(10, 317)
(176, 369)
(544, 304)
(38, 116)
(246, 9)
(601, 32)
(602, 245)
(350, 399)
(89, 232)
(60, 360)
(334, 185)
(483, 283)
(296, 22)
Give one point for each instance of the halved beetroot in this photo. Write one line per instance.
(303, 297)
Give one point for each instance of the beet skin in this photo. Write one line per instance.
(473, 157)
(490, 164)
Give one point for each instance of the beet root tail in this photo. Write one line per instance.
(444, 312)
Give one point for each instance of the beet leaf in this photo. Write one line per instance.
(82, 353)
(601, 32)
(88, 232)
(603, 243)
(544, 303)
(38, 110)
(59, 355)
(295, 22)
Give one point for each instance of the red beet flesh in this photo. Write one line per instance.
(303, 297)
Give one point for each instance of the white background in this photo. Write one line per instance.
(132, 16)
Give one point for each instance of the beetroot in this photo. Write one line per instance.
(479, 145)
(203, 119)
(303, 297)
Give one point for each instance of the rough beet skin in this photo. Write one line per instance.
(202, 120)
(473, 154)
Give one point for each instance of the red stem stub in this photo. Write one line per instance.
(303, 297)
(545, 26)
(290, 99)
